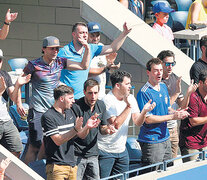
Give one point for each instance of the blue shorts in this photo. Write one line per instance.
(35, 128)
(9, 137)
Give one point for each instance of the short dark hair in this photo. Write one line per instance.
(118, 77)
(153, 61)
(74, 28)
(202, 75)
(166, 53)
(203, 41)
(62, 90)
(91, 83)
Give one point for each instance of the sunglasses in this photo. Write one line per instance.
(170, 63)
(54, 48)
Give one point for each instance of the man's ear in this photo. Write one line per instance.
(61, 98)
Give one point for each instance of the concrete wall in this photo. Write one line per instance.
(40, 18)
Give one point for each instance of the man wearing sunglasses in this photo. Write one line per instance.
(45, 75)
(177, 99)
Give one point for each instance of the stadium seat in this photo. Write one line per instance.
(20, 124)
(183, 5)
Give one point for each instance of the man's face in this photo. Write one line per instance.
(155, 75)
(94, 38)
(91, 95)
(81, 34)
(162, 17)
(50, 53)
(68, 100)
(125, 86)
(168, 64)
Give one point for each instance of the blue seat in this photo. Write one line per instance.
(20, 124)
(39, 167)
(177, 22)
(24, 135)
(17, 63)
(183, 5)
(156, 1)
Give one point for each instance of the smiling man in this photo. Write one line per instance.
(154, 135)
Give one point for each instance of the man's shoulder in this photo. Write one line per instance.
(145, 88)
(199, 63)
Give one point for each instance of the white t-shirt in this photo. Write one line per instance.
(4, 115)
(97, 62)
(116, 143)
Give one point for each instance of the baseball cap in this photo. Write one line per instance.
(93, 27)
(51, 41)
(162, 7)
(1, 54)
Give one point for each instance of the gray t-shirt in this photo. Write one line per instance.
(171, 86)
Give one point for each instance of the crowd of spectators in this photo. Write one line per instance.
(81, 130)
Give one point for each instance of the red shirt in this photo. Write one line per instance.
(194, 137)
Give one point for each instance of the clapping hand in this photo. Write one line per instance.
(10, 16)
(148, 106)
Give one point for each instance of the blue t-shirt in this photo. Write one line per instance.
(76, 78)
(45, 78)
(157, 132)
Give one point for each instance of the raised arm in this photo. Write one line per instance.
(84, 64)
(8, 19)
(117, 43)
(139, 118)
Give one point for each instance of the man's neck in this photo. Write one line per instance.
(91, 107)
(155, 86)
(47, 61)
(78, 47)
(116, 93)
(165, 76)
(58, 108)
(203, 95)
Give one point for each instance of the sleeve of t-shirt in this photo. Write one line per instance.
(193, 107)
(103, 116)
(95, 50)
(49, 125)
(7, 79)
(194, 73)
(142, 99)
(110, 108)
(29, 68)
(134, 104)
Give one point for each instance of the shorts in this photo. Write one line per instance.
(10, 137)
(35, 128)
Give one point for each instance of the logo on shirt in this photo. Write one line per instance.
(166, 99)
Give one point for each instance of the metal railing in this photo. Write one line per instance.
(163, 165)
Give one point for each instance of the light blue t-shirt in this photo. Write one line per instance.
(76, 78)
(157, 132)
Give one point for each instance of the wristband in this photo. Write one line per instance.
(75, 129)
(6, 23)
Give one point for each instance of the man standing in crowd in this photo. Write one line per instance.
(45, 77)
(100, 64)
(201, 63)
(193, 130)
(8, 19)
(177, 99)
(86, 149)
(75, 49)
(120, 107)
(9, 135)
(154, 134)
(61, 126)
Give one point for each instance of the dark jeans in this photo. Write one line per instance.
(113, 163)
(155, 153)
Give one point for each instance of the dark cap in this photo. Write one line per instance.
(93, 27)
(162, 7)
(51, 41)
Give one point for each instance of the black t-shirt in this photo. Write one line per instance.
(88, 147)
(196, 68)
(8, 82)
(53, 123)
